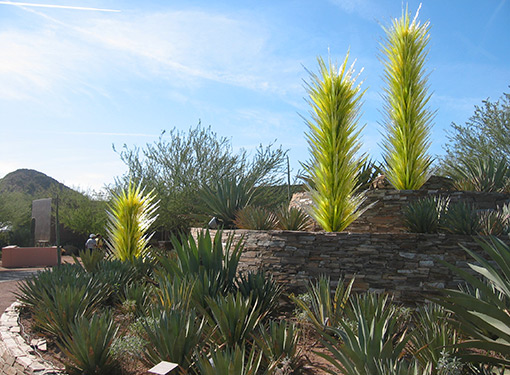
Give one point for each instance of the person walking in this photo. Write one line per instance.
(91, 243)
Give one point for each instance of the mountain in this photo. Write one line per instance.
(29, 182)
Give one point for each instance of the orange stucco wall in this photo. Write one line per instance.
(29, 256)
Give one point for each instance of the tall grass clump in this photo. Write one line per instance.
(333, 139)
(407, 118)
(130, 217)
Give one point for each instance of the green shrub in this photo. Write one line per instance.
(321, 309)
(292, 218)
(174, 293)
(265, 292)
(258, 218)
(424, 215)
(87, 346)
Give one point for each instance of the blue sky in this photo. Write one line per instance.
(75, 81)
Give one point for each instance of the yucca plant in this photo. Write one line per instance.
(461, 218)
(292, 218)
(230, 195)
(230, 361)
(333, 139)
(89, 259)
(212, 263)
(369, 171)
(235, 318)
(279, 343)
(262, 288)
(483, 316)
(425, 215)
(140, 295)
(44, 283)
(87, 346)
(325, 308)
(408, 120)
(174, 336)
(373, 337)
(130, 217)
(56, 312)
(253, 217)
(174, 293)
(481, 174)
(434, 337)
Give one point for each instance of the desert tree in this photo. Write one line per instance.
(408, 120)
(334, 143)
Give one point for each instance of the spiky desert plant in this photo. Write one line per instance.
(253, 217)
(373, 338)
(425, 215)
(323, 310)
(482, 313)
(407, 118)
(87, 346)
(130, 217)
(333, 139)
(292, 218)
(481, 174)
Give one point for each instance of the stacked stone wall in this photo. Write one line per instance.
(407, 265)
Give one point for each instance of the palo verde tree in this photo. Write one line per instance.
(407, 118)
(485, 135)
(334, 145)
(179, 165)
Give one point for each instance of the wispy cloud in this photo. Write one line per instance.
(184, 48)
(56, 6)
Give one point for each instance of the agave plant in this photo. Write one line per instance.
(481, 174)
(434, 337)
(322, 310)
(235, 318)
(373, 337)
(211, 263)
(425, 215)
(130, 217)
(279, 343)
(408, 121)
(253, 217)
(265, 292)
(292, 218)
(483, 315)
(174, 336)
(236, 361)
(228, 197)
(89, 259)
(334, 145)
(87, 346)
(461, 218)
